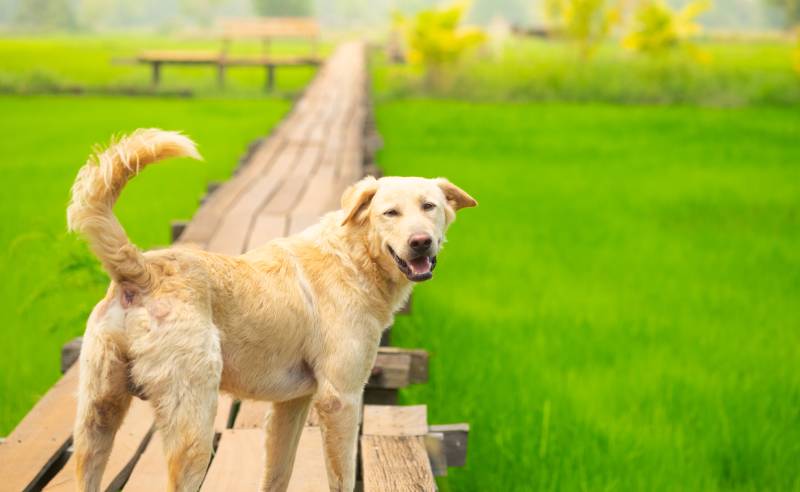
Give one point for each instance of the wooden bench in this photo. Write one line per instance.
(264, 29)
(286, 182)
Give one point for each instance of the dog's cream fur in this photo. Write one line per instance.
(296, 320)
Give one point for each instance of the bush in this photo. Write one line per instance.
(46, 14)
(737, 74)
(586, 22)
(436, 40)
(658, 29)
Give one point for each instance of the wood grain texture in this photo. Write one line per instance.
(150, 472)
(299, 167)
(390, 420)
(128, 444)
(42, 435)
(395, 464)
(390, 371)
(239, 462)
(309, 473)
(418, 368)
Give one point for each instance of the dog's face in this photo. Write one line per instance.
(406, 219)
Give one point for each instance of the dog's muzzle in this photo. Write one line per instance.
(417, 269)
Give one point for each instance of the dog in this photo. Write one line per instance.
(295, 321)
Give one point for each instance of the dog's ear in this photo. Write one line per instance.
(356, 199)
(456, 197)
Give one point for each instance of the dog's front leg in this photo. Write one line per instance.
(338, 416)
(284, 425)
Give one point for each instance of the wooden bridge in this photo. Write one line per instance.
(284, 184)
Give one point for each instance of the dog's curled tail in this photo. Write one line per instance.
(98, 186)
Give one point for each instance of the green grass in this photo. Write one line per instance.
(620, 313)
(621, 310)
(40, 64)
(49, 282)
(735, 74)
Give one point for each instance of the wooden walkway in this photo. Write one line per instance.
(288, 180)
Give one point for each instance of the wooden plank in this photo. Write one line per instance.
(224, 406)
(207, 219)
(41, 437)
(70, 352)
(418, 370)
(128, 444)
(390, 371)
(309, 473)
(255, 174)
(239, 462)
(150, 472)
(434, 446)
(252, 414)
(395, 463)
(232, 235)
(455, 442)
(267, 227)
(230, 218)
(389, 420)
(299, 223)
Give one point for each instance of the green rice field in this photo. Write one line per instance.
(620, 313)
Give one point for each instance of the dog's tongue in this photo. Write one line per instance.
(420, 265)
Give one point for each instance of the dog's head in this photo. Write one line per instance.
(405, 219)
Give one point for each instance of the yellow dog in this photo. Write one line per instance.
(297, 319)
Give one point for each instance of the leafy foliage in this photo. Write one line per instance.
(436, 39)
(658, 29)
(46, 14)
(586, 22)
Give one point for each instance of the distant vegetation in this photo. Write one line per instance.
(165, 15)
(283, 7)
(589, 51)
(436, 40)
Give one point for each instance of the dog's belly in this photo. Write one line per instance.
(264, 378)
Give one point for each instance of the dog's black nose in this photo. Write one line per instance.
(420, 242)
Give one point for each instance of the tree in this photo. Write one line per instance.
(790, 10)
(276, 8)
(46, 14)
(436, 39)
(586, 22)
(658, 29)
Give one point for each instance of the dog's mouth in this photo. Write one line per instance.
(415, 269)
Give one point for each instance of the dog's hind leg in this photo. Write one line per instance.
(103, 398)
(284, 425)
(179, 366)
(186, 424)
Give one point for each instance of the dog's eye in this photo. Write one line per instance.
(428, 206)
(391, 213)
